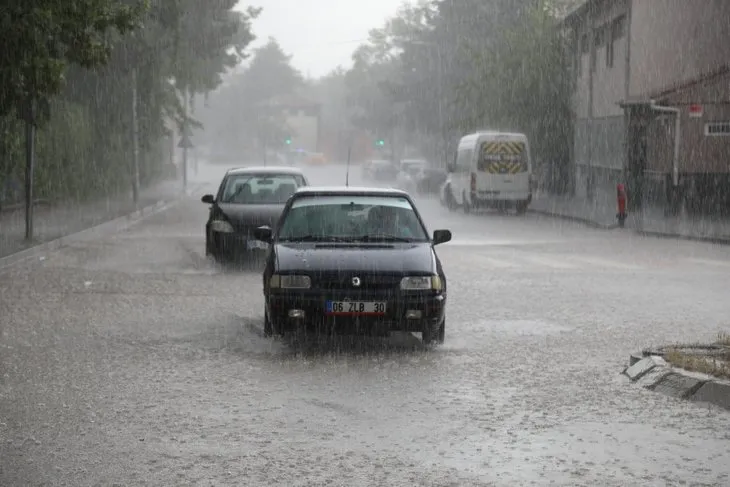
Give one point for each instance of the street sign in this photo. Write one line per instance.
(695, 111)
(185, 142)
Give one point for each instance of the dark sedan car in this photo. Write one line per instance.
(247, 198)
(351, 260)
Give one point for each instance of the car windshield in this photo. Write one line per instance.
(352, 219)
(260, 189)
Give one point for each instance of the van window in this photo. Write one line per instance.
(503, 157)
(464, 159)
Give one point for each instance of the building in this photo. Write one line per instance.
(643, 68)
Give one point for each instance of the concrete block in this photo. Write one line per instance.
(714, 392)
(643, 366)
(635, 357)
(653, 377)
(678, 385)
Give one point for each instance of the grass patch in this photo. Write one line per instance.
(712, 360)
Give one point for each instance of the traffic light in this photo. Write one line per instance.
(288, 141)
(380, 143)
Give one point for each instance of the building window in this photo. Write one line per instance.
(599, 38)
(618, 27)
(717, 129)
(616, 32)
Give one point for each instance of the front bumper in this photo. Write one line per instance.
(284, 310)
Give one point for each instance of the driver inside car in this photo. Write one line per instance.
(383, 220)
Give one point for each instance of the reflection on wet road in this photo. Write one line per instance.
(134, 360)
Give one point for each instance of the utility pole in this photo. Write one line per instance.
(29, 166)
(444, 141)
(184, 134)
(135, 140)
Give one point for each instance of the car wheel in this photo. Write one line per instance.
(268, 327)
(429, 335)
(441, 335)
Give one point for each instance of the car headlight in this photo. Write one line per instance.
(421, 283)
(278, 281)
(221, 226)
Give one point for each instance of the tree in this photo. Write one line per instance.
(85, 144)
(244, 114)
(441, 69)
(42, 39)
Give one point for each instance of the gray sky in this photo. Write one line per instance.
(316, 32)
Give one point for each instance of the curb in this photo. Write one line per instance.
(679, 236)
(655, 374)
(108, 227)
(638, 231)
(578, 219)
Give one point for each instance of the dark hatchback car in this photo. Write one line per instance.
(247, 199)
(353, 261)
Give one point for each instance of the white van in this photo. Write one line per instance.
(491, 170)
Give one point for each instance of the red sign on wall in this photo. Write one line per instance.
(695, 111)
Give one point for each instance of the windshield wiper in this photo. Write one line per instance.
(383, 238)
(315, 238)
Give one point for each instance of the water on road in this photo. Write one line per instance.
(135, 360)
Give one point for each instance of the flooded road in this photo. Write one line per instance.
(135, 360)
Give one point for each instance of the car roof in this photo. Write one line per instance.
(348, 190)
(266, 170)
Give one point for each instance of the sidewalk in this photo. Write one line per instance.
(52, 222)
(601, 213)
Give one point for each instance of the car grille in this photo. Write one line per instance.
(368, 282)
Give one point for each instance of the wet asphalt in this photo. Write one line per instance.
(135, 360)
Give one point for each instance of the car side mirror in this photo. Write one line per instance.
(208, 198)
(441, 236)
(263, 234)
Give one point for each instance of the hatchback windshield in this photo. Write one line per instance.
(261, 189)
(352, 218)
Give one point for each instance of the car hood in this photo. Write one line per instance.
(398, 258)
(251, 215)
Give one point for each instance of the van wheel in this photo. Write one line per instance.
(450, 201)
(465, 204)
(522, 207)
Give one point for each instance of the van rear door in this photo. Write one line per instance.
(503, 168)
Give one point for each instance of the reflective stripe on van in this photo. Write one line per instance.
(502, 158)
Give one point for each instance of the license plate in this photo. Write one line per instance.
(355, 307)
(256, 244)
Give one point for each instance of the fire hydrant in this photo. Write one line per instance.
(621, 204)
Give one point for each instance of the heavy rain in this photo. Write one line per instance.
(349, 243)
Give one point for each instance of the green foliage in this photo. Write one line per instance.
(79, 60)
(41, 38)
(441, 69)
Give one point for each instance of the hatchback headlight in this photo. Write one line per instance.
(221, 226)
(278, 281)
(421, 283)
